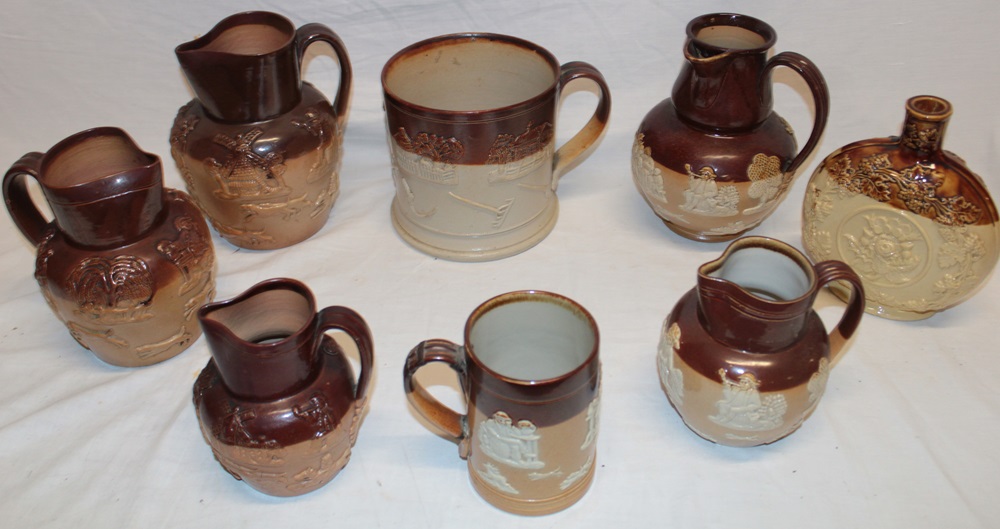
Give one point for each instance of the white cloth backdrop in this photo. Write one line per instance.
(905, 436)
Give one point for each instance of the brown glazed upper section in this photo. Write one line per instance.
(551, 400)
(102, 189)
(475, 129)
(721, 84)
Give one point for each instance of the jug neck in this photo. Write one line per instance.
(264, 341)
(246, 69)
(757, 296)
(721, 84)
(103, 190)
(925, 123)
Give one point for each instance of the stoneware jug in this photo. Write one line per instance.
(278, 402)
(260, 149)
(714, 160)
(125, 263)
(743, 357)
(916, 224)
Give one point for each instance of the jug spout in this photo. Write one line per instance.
(246, 68)
(757, 296)
(720, 85)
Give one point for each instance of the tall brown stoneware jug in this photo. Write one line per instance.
(714, 160)
(744, 358)
(260, 149)
(124, 263)
(278, 402)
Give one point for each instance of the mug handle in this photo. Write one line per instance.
(25, 213)
(314, 32)
(575, 150)
(828, 271)
(821, 96)
(453, 424)
(349, 321)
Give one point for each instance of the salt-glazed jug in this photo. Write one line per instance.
(125, 263)
(258, 148)
(278, 402)
(743, 357)
(714, 160)
(911, 218)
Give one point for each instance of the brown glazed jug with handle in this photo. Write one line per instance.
(714, 160)
(743, 357)
(125, 263)
(258, 148)
(278, 402)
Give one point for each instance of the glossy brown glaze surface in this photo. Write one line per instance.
(911, 218)
(743, 357)
(260, 149)
(714, 160)
(529, 441)
(125, 263)
(278, 402)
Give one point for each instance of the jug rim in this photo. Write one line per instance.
(275, 20)
(767, 243)
(268, 285)
(749, 23)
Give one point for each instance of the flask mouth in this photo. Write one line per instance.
(929, 108)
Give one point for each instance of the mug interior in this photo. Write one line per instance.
(765, 273)
(532, 339)
(469, 73)
(267, 317)
(91, 159)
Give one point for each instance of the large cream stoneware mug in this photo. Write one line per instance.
(471, 124)
(530, 374)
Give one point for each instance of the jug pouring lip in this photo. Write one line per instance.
(220, 329)
(804, 292)
(79, 191)
(758, 35)
(202, 45)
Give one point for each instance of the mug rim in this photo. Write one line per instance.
(480, 114)
(521, 296)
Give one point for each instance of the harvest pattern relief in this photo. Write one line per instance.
(514, 157)
(671, 377)
(646, 173)
(890, 249)
(817, 382)
(743, 408)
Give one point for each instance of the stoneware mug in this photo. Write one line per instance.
(530, 374)
(471, 125)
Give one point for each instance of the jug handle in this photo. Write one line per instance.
(821, 97)
(25, 213)
(349, 321)
(453, 424)
(576, 149)
(828, 271)
(315, 32)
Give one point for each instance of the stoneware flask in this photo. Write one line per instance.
(714, 160)
(125, 263)
(743, 357)
(260, 149)
(472, 135)
(278, 402)
(913, 221)
(530, 375)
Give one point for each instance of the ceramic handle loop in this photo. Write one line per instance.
(821, 96)
(576, 149)
(828, 271)
(314, 32)
(349, 321)
(451, 423)
(25, 213)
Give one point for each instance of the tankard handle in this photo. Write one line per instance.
(349, 321)
(447, 420)
(828, 271)
(22, 209)
(576, 149)
(314, 32)
(821, 96)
